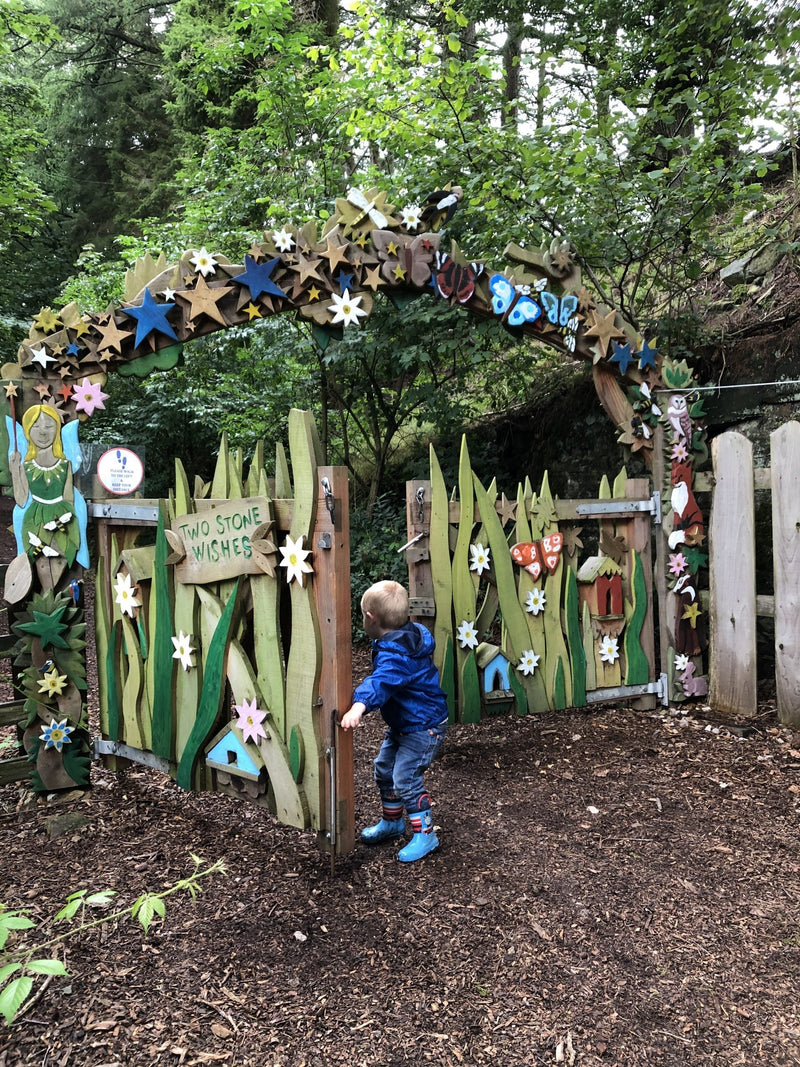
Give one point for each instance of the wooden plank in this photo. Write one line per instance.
(532, 685)
(418, 555)
(565, 510)
(464, 600)
(732, 578)
(765, 605)
(638, 538)
(15, 770)
(303, 662)
(442, 579)
(664, 597)
(785, 460)
(331, 587)
(12, 712)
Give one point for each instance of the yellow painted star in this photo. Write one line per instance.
(692, 612)
(252, 311)
(313, 293)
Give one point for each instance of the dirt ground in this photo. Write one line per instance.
(612, 887)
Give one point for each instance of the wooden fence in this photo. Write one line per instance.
(734, 602)
(216, 664)
(520, 620)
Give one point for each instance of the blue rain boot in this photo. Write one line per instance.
(391, 826)
(424, 839)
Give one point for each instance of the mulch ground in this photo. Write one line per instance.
(612, 887)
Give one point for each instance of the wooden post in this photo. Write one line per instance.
(732, 578)
(666, 599)
(785, 464)
(418, 556)
(638, 538)
(331, 584)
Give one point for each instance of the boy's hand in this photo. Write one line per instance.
(352, 718)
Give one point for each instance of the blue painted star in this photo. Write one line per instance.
(258, 277)
(623, 357)
(345, 281)
(150, 317)
(647, 357)
(73, 349)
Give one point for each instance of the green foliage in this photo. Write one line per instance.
(20, 963)
(375, 538)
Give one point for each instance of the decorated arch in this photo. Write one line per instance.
(329, 278)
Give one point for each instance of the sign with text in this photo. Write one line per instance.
(217, 540)
(120, 471)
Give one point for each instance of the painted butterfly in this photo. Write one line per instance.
(537, 556)
(456, 281)
(559, 310)
(516, 306)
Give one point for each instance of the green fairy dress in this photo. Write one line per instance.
(49, 518)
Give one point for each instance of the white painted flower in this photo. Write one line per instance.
(204, 263)
(535, 601)
(681, 662)
(294, 559)
(467, 634)
(529, 661)
(411, 217)
(609, 649)
(126, 595)
(481, 558)
(183, 650)
(283, 240)
(348, 308)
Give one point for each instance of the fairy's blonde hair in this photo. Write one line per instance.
(30, 417)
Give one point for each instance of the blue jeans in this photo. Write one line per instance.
(402, 761)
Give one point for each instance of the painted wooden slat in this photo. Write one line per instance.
(464, 602)
(533, 685)
(439, 547)
(638, 537)
(211, 694)
(556, 656)
(102, 628)
(732, 676)
(160, 661)
(290, 799)
(135, 712)
(186, 620)
(417, 554)
(785, 466)
(267, 644)
(303, 663)
(577, 655)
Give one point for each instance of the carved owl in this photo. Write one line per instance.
(679, 417)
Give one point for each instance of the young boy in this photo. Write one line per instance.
(404, 684)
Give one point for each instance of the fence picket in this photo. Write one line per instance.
(785, 462)
(732, 595)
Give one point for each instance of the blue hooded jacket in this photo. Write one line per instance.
(404, 682)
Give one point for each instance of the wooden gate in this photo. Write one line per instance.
(223, 634)
(734, 602)
(519, 620)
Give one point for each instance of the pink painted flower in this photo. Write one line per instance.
(250, 720)
(677, 563)
(88, 396)
(679, 452)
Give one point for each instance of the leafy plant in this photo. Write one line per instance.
(21, 964)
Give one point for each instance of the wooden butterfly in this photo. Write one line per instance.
(538, 556)
(514, 306)
(561, 311)
(405, 259)
(456, 281)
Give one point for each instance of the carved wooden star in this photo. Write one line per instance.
(335, 254)
(507, 510)
(372, 278)
(603, 329)
(203, 299)
(112, 336)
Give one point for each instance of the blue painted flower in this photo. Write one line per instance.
(56, 735)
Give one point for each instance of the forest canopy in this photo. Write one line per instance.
(626, 129)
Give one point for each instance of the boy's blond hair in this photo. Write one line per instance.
(388, 603)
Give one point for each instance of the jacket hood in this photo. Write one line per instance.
(413, 640)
